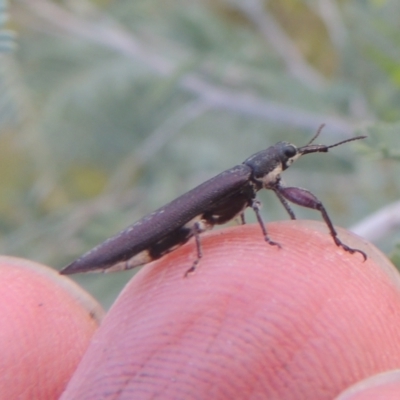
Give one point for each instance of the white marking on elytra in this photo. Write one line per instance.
(202, 225)
(139, 259)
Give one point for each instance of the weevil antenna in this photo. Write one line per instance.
(316, 135)
(322, 148)
(346, 141)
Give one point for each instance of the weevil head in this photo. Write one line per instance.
(268, 164)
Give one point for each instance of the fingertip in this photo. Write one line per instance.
(46, 324)
(253, 319)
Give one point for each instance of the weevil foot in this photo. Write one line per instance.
(350, 249)
(271, 242)
(192, 268)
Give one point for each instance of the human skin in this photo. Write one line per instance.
(46, 324)
(385, 386)
(254, 321)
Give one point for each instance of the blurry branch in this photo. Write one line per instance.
(253, 106)
(284, 46)
(329, 12)
(102, 30)
(379, 224)
(52, 18)
(153, 143)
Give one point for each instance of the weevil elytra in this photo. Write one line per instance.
(214, 202)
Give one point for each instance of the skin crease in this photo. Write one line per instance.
(46, 323)
(253, 322)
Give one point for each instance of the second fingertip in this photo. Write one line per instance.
(46, 326)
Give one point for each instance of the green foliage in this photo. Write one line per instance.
(109, 109)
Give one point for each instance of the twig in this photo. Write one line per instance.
(380, 223)
(250, 105)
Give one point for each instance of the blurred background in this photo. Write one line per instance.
(111, 108)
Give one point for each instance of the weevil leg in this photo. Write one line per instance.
(240, 219)
(256, 205)
(304, 198)
(196, 230)
(284, 202)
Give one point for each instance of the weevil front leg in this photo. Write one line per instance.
(304, 198)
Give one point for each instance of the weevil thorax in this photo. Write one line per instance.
(268, 164)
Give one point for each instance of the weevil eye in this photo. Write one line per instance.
(290, 154)
(290, 151)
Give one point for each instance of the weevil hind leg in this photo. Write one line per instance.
(334, 234)
(304, 198)
(349, 249)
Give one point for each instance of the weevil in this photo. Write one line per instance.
(214, 202)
